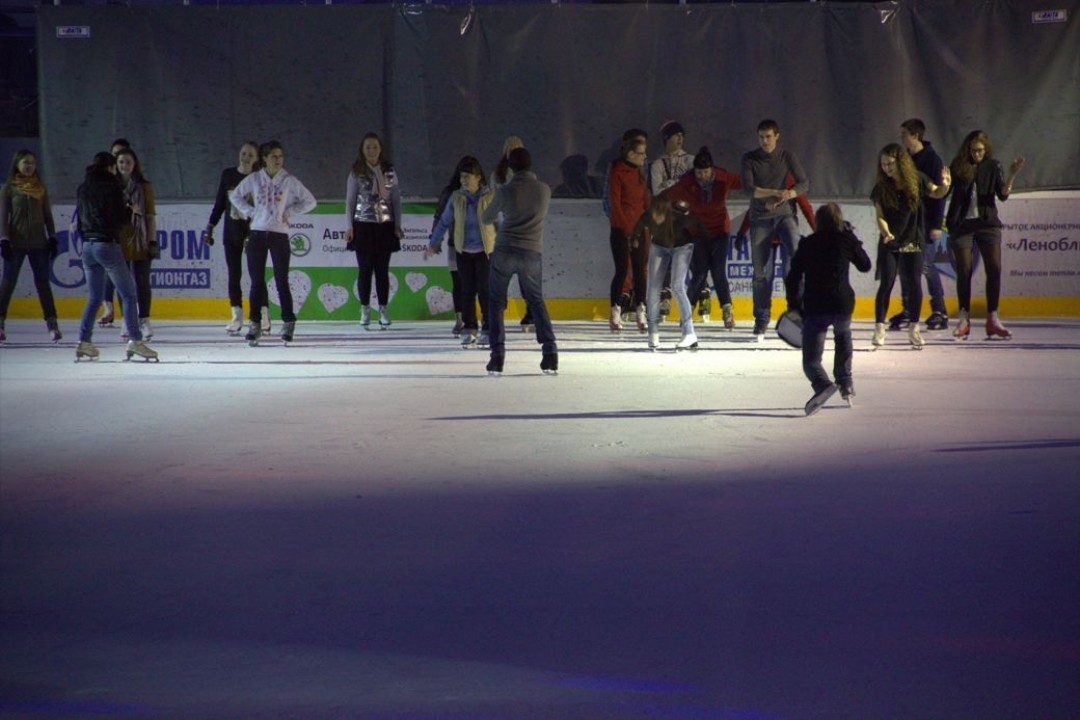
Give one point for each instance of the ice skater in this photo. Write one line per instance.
(523, 202)
(27, 232)
(973, 220)
(276, 196)
(237, 229)
(764, 175)
(820, 265)
(103, 213)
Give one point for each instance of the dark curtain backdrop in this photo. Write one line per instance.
(188, 84)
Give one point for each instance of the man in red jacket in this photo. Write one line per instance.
(706, 190)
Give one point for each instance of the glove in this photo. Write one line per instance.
(155, 251)
(350, 246)
(5, 250)
(53, 247)
(210, 235)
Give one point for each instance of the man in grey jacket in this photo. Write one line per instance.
(764, 173)
(523, 203)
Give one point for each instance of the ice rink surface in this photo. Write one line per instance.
(365, 525)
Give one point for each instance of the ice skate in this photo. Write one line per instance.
(483, 340)
(639, 318)
(287, 330)
(937, 321)
(654, 341)
(899, 321)
(879, 335)
(847, 393)
(138, 347)
(86, 350)
(915, 337)
(995, 330)
(705, 306)
(729, 316)
(820, 398)
(237, 323)
(527, 324)
(254, 333)
(550, 363)
(963, 326)
(3, 335)
(615, 322)
(384, 318)
(54, 330)
(688, 341)
(145, 329)
(455, 331)
(759, 330)
(106, 320)
(365, 316)
(265, 320)
(468, 340)
(495, 364)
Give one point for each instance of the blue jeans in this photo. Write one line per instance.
(813, 346)
(678, 260)
(762, 232)
(39, 265)
(101, 260)
(529, 267)
(710, 256)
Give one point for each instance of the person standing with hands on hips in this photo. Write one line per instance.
(277, 196)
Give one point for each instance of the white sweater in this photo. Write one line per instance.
(276, 199)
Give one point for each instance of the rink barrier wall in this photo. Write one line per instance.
(1041, 261)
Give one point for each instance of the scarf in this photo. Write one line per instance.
(379, 181)
(29, 185)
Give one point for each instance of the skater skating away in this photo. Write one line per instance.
(973, 220)
(276, 196)
(102, 215)
(821, 265)
(27, 232)
(523, 202)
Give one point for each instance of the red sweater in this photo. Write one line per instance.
(713, 214)
(629, 195)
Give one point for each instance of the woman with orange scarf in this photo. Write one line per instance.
(27, 232)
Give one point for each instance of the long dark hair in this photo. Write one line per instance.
(18, 158)
(963, 167)
(359, 167)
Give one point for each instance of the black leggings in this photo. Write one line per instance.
(377, 263)
(990, 249)
(909, 267)
(620, 252)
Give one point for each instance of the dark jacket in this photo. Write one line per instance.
(823, 259)
(929, 163)
(989, 181)
(102, 210)
(25, 221)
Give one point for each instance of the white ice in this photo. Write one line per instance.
(366, 525)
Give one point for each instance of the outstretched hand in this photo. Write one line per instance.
(1016, 165)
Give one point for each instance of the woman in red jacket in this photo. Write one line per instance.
(629, 193)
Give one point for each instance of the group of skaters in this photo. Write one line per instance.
(670, 231)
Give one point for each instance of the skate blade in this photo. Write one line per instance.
(688, 347)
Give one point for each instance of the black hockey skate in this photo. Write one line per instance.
(550, 363)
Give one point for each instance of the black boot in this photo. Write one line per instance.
(495, 364)
(550, 363)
